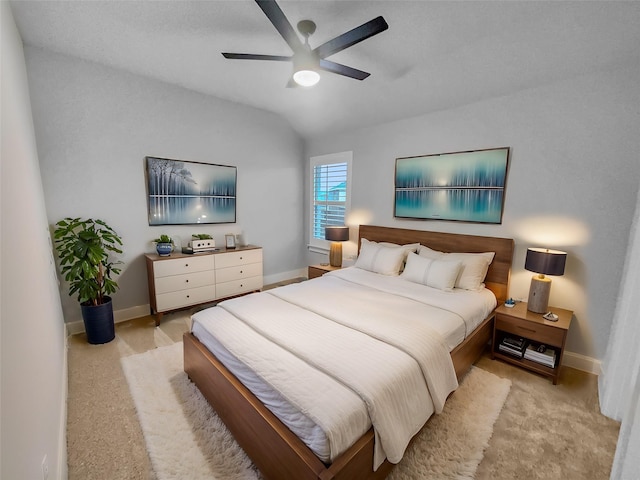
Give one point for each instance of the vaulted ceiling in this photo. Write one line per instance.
(435, 55)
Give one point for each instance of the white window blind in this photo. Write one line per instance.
(330, 175)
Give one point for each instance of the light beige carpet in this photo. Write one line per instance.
(186, 439)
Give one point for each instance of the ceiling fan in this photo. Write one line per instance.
(307, 61)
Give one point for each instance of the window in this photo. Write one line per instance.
(330, 194)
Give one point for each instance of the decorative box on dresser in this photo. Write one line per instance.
(320, 269)
(519, 322)
(184, 280)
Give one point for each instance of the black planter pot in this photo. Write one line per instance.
(98, 322)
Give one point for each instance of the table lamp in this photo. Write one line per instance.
(544, 262)
(336, 235)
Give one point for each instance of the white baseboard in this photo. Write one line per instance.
(63, 471)
(73, 328)
(130, 313)
(581, 362)
(281, 277)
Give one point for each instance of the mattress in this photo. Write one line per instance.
(458, 313)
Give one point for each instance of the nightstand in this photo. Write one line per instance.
(320, 269)
(519, 322)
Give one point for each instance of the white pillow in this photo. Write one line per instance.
(474, 266)
(409, 247)
(384, 259)
(474, 269)
(427, 252)
(441, 274)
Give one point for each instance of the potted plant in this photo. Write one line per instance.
(85, 248)
(202, 236)
(164, 245)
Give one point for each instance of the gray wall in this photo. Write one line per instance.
(32, 346)
(94, 126)
(572, 182)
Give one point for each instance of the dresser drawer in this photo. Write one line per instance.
(183, 298)
(178, 266)
(236, 287)
(243, 257)
(183, 282)
(522, 328)
(239, 272)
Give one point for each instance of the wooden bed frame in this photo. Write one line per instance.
(276, 451)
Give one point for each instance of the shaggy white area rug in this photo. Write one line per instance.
(186, 439)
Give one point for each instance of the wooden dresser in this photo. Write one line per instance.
(183, 280)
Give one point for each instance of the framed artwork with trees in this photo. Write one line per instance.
(181, 192)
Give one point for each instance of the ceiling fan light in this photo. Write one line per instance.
(306, 78)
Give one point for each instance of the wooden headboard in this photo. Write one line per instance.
(497, 279)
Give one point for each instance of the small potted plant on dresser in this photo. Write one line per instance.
(85, 249)
(202, 236)
(164, 245)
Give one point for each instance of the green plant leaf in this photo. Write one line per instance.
(84, 248)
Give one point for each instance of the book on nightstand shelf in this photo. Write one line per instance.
(541, 354)
(513, 346)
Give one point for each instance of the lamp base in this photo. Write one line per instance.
(539, 294)
(335, 254)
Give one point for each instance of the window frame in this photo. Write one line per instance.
(316, 244)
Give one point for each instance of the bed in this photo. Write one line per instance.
(275, 449)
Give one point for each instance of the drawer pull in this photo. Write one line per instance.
(187, 280)
(240, 258)
(186, 264)
(241, 285)
(240, 271)
(187, 296)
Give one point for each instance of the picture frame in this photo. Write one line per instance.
(464, 186)
(181, 192)
(230, 240)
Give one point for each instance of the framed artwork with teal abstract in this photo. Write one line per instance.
(459, 186)
(189, 193)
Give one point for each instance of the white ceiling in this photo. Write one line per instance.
(435, 55)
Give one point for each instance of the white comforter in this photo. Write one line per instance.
(342, 340)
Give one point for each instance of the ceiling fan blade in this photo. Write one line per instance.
(358, 34)
(340, 69)
(251, 56)
(276, 16)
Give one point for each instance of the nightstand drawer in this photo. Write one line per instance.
(315, 272)
(523, 328)
(319, 270)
